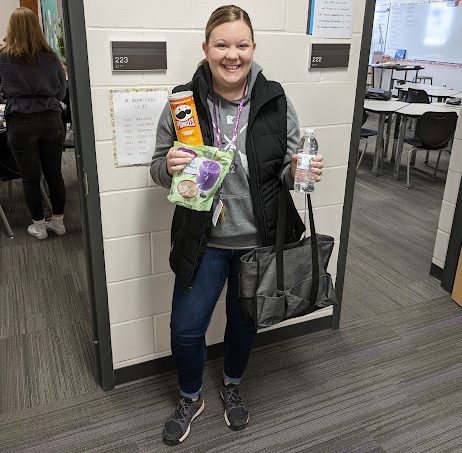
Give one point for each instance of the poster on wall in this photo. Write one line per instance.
(52, 25)
(135, 113)
(330, 18)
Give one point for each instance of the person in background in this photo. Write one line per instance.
(33, 80)
(2, 94)
(66, 113)
(242, 112)
(66, 102)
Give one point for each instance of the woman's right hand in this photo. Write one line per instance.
(177, 160)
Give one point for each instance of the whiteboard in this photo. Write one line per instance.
(428, 31)
(379, 29)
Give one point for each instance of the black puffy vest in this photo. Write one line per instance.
(266, 146)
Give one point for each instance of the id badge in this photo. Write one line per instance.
(217, 213)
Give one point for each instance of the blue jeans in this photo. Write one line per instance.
(191, 314)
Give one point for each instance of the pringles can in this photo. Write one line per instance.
(185, 118)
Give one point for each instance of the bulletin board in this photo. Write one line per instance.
(51, 24)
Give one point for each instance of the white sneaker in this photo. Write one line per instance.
(38, 229)
(56, 225)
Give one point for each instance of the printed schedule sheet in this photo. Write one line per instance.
(135, 114)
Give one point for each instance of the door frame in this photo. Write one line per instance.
(455, 243)
(366, 38)
(85, 151)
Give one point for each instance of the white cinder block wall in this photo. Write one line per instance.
(451, 191)
(135, 213)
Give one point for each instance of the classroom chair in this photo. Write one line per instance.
(434, 131)
(417, 96)
(365, 134)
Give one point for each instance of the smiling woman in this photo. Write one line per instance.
(242, 113)
(229, 50)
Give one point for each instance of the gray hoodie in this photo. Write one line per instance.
(237, 230)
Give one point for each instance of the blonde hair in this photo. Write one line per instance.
(225, 14)
(24, 38)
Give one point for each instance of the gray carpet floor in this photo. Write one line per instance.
(389, 380)
(45, 326)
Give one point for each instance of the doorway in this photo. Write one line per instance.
(393, 229)
(54, 326)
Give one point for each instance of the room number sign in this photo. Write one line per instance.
(138, 56)
(329, 56)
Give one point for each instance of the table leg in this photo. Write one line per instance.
(395, 137)
(6, 223)
(377, 165)
(399, 148)
(391, 80)
(387, 138)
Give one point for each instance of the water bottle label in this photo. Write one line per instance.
(304, 161)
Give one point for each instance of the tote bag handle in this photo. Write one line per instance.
(280, 237)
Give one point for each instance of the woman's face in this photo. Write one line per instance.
(229, 53)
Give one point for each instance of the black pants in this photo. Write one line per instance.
(36, 140)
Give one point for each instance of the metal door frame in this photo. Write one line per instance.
(455, 243)
(85, 151)
(366, 38)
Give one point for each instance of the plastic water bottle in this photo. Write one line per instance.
(304, 178)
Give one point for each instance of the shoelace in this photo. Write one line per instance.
(182, 411)
(234, 398)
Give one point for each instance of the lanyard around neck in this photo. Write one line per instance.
(216, 122)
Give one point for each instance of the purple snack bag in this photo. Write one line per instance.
(195, 186)
(209, 171)
(187, 150)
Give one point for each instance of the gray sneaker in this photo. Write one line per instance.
(236, 414)
(177, 427)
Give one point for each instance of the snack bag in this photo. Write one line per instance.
(196, 185)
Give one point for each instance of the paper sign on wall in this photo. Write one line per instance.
(135, 114)
(330, 18)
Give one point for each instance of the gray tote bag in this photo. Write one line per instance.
(286, 281)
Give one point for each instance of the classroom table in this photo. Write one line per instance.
(383, 108)
(421, 86)
(432, 91)
(414, 110)
(396, 67)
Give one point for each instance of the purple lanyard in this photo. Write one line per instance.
(216, 122)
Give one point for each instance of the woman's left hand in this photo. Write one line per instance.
(316, 166)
